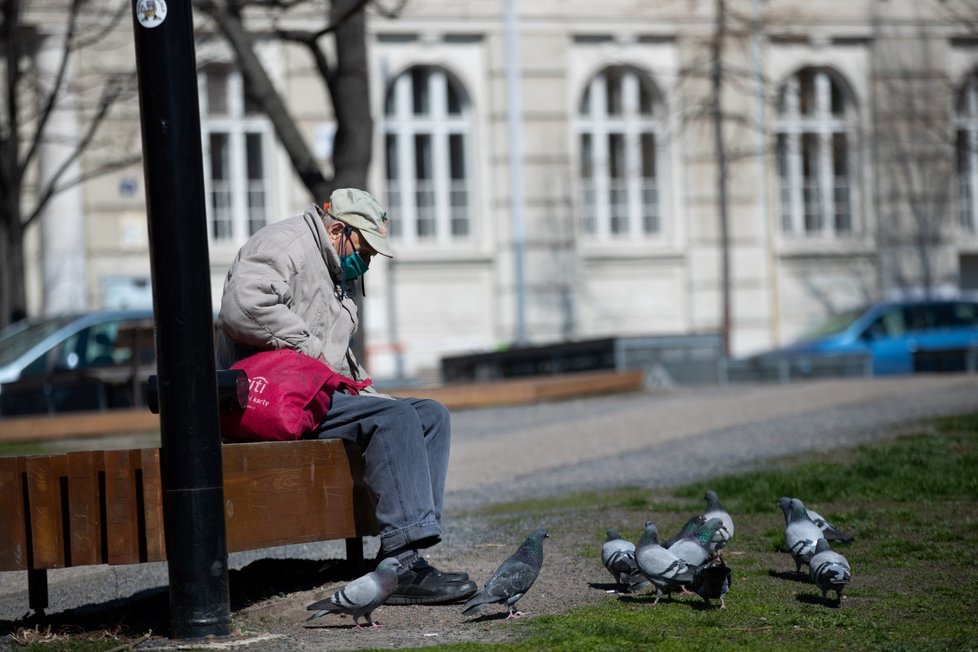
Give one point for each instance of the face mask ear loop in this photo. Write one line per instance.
(346, 232)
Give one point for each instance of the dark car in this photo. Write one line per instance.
(91, 361)
(889, 337)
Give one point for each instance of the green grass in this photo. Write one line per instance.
(910, 503)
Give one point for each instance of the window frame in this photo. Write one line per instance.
(643, 219)
(823, 125)
(451, 223)
(237, 125)
(966, 123)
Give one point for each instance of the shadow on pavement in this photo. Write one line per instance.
(149, 610)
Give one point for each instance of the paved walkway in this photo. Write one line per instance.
(672, 436)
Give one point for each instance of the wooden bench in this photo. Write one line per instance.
(105, 507)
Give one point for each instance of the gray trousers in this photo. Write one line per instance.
(405, 443)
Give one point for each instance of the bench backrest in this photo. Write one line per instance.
(106, 507)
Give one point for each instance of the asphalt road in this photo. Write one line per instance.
(655, 438)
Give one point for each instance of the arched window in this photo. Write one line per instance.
(427, 125)
(237, 147)
(816, 140)
(619, 127)
(966, 128)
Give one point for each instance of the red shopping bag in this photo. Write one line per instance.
(289, 393)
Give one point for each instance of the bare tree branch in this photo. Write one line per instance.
(111, 92)
(55, 91)
(307, 37)
(393, 12)
(116, 17)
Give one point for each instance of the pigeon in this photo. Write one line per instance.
(666, 571)
(711, 582)
(618, 556)
(687, 529)
(512, 579)
(829, 531)
(715, 510)
(801, 535)
(829, 570)
(696, 549)
(361, 596)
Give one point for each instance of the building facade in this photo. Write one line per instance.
(849, 139)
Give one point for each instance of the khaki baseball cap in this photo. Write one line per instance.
(360, 210)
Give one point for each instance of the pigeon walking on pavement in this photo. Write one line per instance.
(697, 548)
(829, 570)
(715, 510)
(829, 531)
(666, 571)
(618, 556)
(512, 579)
(361, 596)
(801, 535)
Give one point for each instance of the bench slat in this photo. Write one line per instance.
(13, 536)
(277, 494)
(122, 534)
(153, 504)
(44, 475)
(84, 508)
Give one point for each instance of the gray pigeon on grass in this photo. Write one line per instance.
(687, 529)
(829, 531)
(715, 510)
(666, 571)
(829, 570)
(697, 548)
(618, 556)
(512, 579)
(361, 596)
(801, 535)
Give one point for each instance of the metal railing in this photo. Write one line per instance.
(788, 368)
(668, 360)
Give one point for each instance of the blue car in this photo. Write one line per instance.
(897, 337)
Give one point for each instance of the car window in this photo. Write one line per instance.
(136, 342)
(951, 315)
(964, 314)
(892, 323)
(91, 347)
(832, 325)
(918, 317)
(18, 341)
(38, 367)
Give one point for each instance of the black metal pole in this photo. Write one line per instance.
(193, 495)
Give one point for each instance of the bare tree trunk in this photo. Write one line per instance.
(349, 89)
(13, 296)
(721, 163)
(350, 92)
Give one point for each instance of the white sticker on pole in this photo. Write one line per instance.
(151, 13)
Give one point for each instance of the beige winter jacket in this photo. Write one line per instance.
(281, 293)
